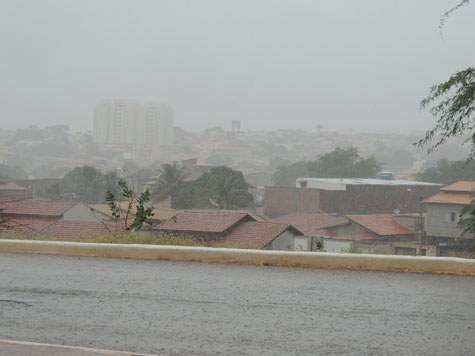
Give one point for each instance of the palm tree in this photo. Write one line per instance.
(170, 178)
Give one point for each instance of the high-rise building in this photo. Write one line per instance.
(129, 122)
(157, 124)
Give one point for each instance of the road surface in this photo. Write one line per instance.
(171, 308)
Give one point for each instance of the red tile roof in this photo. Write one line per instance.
(323, 232)
(11, 186)
(205, 222)
(357, 236)
(26, 226)
(451, 198)
(380, 224)
(311, 224)
(78, 230)
(254, 234)
(34, 208)
(461, 186)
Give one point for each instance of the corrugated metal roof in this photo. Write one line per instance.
(369, 181)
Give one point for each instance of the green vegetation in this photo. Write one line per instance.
(170, 180)
(12, 172)
(221, 187)
(448, 172)
(130, 238)
(467, 221)
(83, 183)
(142, 214)
(340, 163)
(454, 107)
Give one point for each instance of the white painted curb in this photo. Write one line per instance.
(444, 265)
(53, 347)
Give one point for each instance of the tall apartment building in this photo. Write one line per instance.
(130, 122)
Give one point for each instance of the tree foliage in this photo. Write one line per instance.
(111, 182)
(221, 187)
(142, 214)
(12, 172)
(455, 109)
(171, 177)
(448, 172)
(285, 176)
(83, 183)
(339, 163)
(467, 219)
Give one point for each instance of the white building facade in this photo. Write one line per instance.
(128, 122)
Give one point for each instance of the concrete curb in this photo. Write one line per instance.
(442, 265)
(34, 347)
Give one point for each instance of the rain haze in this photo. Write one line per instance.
(180, 139)
(363, 65)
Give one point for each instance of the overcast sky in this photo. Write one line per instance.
(271, 64)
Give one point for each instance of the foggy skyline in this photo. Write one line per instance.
(289, 64)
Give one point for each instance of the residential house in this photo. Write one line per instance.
(53, 219)
(47, 209)
(206, 226)
(237, 229)
(443, 215)
(11, 190)
(314, 226)
(79, 230)
(444, 209)
(373, 233)
(268, 236)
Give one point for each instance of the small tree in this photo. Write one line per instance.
(142, 214)
(454, 107)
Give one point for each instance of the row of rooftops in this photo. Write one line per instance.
(234, 227)
(32, 217)
(36, 208)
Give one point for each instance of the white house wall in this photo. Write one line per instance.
(285, 242)
(330, 245)
(436, 220)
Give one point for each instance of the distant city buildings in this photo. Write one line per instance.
(129, 122)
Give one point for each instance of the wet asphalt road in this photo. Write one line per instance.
(209, 309)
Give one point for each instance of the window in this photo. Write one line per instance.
(451, 216)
